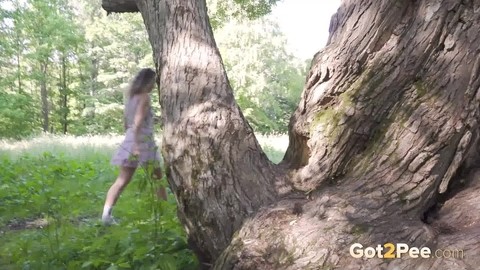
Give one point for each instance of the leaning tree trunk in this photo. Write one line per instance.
(382, 145)
(215, 166)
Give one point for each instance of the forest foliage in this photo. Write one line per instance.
(65, 65)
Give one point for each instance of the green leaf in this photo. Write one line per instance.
(112, 267)
(87, 264)
(124, 265)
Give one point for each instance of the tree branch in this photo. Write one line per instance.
(119, 6)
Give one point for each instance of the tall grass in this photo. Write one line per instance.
(52, 190)
(82, 147)
(75, 147)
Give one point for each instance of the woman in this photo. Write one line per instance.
(138, 148)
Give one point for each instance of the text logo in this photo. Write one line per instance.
(399, 250)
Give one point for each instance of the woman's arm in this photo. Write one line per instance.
(140, 114)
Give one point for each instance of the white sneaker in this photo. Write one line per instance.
(109, 220)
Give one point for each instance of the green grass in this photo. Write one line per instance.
(52, 190)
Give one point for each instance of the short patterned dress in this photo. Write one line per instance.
(147, 147)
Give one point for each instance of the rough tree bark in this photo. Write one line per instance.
(383, 144)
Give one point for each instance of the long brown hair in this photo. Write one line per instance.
(139, 83)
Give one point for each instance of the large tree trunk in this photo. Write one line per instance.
(382, 145)
(215, 165)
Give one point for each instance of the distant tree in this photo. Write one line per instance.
(267, 80)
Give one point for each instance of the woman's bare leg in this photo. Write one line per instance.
(125, 176)
(161, 192)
